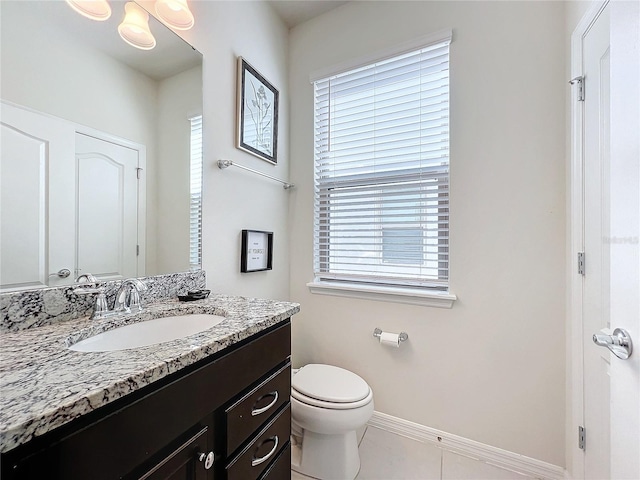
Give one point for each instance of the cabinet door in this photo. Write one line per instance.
(187, 462)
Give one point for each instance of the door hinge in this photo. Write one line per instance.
(137, 250)
(580, 82)
(581, 263)
(138, 172)
(581, 437)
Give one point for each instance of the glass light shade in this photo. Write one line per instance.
(175, 13)
(94, 9)
(134, 29)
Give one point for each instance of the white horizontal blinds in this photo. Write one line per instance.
(382, 171)
(195, 204)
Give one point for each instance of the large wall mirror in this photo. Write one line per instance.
(101, 148)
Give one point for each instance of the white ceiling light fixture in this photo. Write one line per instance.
(134, 29)
(94, 9)
(175, 13)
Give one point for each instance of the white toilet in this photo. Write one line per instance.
(328, 405)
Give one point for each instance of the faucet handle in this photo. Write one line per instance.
(137, 286)
(135, 305)
(101, 307)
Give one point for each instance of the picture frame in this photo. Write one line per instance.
(257, 251)
(257, 112)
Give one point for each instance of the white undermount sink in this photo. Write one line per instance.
(149, 332)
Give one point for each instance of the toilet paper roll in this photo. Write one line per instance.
(390, 339)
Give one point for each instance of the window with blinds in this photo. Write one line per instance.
(195, 204)
(382, 172)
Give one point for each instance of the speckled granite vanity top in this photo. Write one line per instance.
(44, 385)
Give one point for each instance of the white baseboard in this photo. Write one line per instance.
(469, 448)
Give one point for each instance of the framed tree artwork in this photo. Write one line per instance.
(257, 114)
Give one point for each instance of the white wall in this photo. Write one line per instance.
(234, 199)
(179, 98)
(491, 368)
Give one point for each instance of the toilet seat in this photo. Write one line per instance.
(314, 402)
(326, 386)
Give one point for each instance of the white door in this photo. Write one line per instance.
(596, 231)
(611, 288)
(107, 208)
(625, 229)
(36, 175)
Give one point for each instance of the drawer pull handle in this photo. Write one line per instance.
(257, 461)
(258, 411)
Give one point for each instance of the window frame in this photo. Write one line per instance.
(436, 293)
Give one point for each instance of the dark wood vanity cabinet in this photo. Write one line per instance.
(229, 412)
(185, 462)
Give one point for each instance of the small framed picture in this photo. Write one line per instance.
(257, 251)
(257, 114)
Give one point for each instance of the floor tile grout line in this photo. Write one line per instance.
(441, 452)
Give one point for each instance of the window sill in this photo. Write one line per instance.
(412, 296)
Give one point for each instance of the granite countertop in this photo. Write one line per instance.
(44, 385)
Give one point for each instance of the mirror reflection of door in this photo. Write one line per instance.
(106, 209)
(69, 201)
(31, 247)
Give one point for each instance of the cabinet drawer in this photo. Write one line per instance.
(280, 469)
(251, 462)
(247, 414)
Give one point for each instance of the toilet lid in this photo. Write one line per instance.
(330, 384)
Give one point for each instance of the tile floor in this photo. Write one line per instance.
(387, 456)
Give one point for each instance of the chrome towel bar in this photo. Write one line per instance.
(229, 163)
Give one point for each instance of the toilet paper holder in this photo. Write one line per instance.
(402, 336)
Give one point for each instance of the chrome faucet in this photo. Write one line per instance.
(128, 296)
(127, 299)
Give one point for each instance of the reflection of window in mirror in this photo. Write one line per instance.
(195, 206)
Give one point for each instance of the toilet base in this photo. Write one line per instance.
(327, 457)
